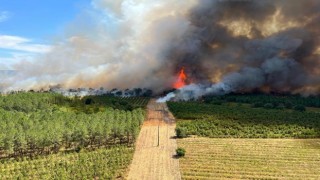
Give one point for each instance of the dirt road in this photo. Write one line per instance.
(155, 147)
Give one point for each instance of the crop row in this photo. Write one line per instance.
(224, 121)
(99, 164)
(285, 101)
(249, 161)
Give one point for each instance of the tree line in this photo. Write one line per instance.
(268, 101)
(34, 124)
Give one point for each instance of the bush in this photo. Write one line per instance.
(180, 152)
(207, 100)
(268, 106)
(257, 105)
(78, 149)
(300, 108)
(128, 107)
(88, 101)
(288, 105)
(281, 106)
(217, 102)
(181, 132)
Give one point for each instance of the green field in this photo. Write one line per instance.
(100, 164)
(49, 136)
(273, 101)
(45, 135)
(239, 121)
(231, 138)
(209, 158)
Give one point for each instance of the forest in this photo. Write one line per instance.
(45, 135)
(44, 123)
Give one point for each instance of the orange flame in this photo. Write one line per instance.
(181, 81)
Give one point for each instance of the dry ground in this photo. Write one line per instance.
(250, 158)
(152, 161)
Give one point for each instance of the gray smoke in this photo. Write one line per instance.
(242, 46)
(224, 46)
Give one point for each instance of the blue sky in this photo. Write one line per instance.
(26, 26)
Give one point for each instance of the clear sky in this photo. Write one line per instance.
(26, 26)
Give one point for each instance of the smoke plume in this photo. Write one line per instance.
(224, 46)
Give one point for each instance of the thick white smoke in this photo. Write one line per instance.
(114, 44)
(225, 46)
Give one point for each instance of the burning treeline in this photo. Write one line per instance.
(220, 46)
(251, 45)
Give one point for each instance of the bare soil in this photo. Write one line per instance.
(154, 156)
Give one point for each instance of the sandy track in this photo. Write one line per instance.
(151, 161)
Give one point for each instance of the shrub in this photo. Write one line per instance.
(180, 152)
(207, 100)
(217, 102)
(231, 99)
(257, 104)
(181, 132)
(281, 106)
(88, 101)
(268, 106)
(78, 149)
(288, 105)
(128, 107)
(300, 108)
(123, 103)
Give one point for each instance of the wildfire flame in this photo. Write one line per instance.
(181, 80)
